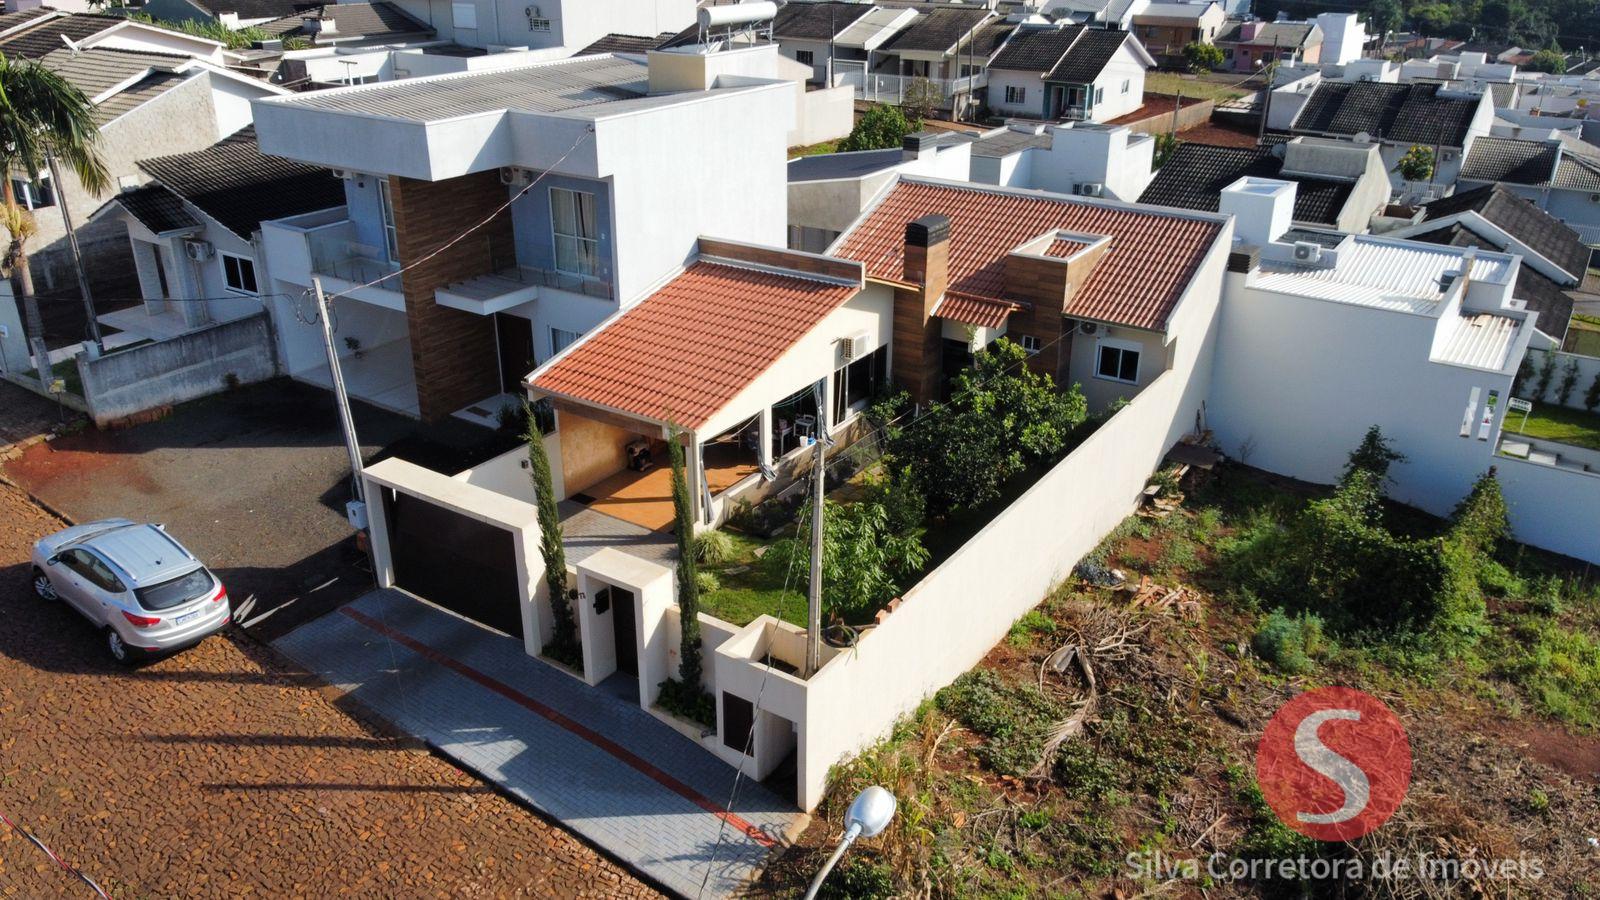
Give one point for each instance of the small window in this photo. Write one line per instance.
(1030, 344)
(576, 231)
(239, 273)
(1099, 94)
(738, 719)
(34, 194)
(804, 56)
(391, 232)
(464, 15)
(1117, 361)
(1125, 85)
(537, 22)
(1015, 94)
(561, 339)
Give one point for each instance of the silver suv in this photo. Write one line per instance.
(135, 582)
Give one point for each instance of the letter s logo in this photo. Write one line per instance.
(1334, 763)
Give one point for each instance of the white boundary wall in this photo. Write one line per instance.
(1557, 509)
(947, 622)
(1588, 369)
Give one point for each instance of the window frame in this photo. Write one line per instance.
(805, 57)
(391, 232)
(876, 365)
(556, 235)
(1122, 348)
(28, 192)
(1016, 94)
(557, 346)
(1024, 340)
(223, 258)
(469, 21)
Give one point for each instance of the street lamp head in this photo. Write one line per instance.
(870, 812)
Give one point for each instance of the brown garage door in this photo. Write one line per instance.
(458, 562)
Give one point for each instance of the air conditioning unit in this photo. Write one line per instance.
(1088, 327)
(1090, 189)
(199, 251)
(515, 177)
(855, 346)
(1307, 251)
(345, 174)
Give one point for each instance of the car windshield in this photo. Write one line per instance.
(176, 592)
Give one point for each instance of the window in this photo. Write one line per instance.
(804, 56)
(464, 15)
(1117, 361)
(391, 235)
(561, 339)
(33, 194)
(1099, 94)
(1031, 344)
(856, 383)
(1125, 83)
(1194, 35)
(537, 20)
(1015, 94)
(176, 592)
(238, 273)
(738, 718)
(577, 236)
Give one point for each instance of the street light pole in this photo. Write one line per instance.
(346, 420)
(72, 248)
(869, 815)
(819, 490)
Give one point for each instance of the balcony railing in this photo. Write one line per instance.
(894, 88)
(335, 253)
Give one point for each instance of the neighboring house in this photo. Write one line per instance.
(146, 105)
(498, 24)
(1077, 158)
(34, 33)
(1166, 28)
(195, 231)
(1397, 116)
(1070, 72)
(350, 24)
(1340, 185)
(228, 13)
(947, 47)
(808, 33)
(1117, 14)
(1494, 217)
(627, 43)
(1560, 176)
(1316, 345)
(1247, 46)
(1344, 38)
(598, 174)
(828, 191)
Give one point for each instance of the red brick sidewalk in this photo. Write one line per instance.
(222, 772)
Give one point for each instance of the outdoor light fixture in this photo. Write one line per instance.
(868, 816)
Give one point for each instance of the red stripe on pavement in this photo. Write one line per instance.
(577, 728)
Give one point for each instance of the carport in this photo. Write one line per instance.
(461, 547)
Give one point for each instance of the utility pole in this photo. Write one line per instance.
(72, 247)
(346, 421)
(819, 489)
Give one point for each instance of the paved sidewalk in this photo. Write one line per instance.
(598, 764)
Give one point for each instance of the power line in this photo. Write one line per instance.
(65, 866)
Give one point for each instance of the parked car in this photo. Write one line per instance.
(135, 582)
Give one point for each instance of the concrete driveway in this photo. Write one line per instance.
(254, 481)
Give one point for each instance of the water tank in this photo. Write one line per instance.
(737, 14)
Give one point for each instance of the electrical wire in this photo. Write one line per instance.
(65, 866)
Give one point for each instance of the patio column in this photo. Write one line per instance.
(148, 268)
(764, 452)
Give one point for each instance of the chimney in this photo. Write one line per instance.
(928, 258)
(918, 146)
(1262, 208)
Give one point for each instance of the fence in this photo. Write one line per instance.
(194, 364)
(1554, 508)
(894, 88)
(1586, 368)
(1193, 114)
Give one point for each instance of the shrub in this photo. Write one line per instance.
(1374, 455)
(1417, 164)
(1166, 481)
(880, 128)
(863, 559)
(1521, 384)
(1569, 380)
(1014, 720)
(563, 646)
(1591, 397)
(1547, 371)
(1288, 642)
(708, 581)
(1552, 61)
(693, 703)
(1481, 521)
(713, 547)
(858, 879)
(1202, 57)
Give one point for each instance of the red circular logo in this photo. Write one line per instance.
(1334, 763)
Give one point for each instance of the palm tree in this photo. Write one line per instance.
(43, 120)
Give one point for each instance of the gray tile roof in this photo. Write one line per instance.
(96, 70)
(816, 21)
(351, 21)
(157, 208)
(626, 43)
(1391, 112)
(1288, 35)
(1088, 57)
(36, 41)
(937, 30)
(1547, 235)
(1195, 174)
(253, 9)
(540, 88)
(1036, 49)
(1509, 159)
(1549, 301)
(235, 184)
(153, 86)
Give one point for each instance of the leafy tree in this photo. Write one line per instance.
(1552, 61)
(1417, 164)
(563, 645)
(1591, 397)
(880, 128)
(689, 665)
(1001, 418)
(1481, 520)
(42, 117)
(922, 98)
(232, 38)
(1200, 57)
(1374, 455)
(1569, 380)
(864, 559)
(1519, 385)
(1384, 16)
(1547, 371)
(1432, 18)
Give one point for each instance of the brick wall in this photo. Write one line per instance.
(452, 352)
(1043, 283)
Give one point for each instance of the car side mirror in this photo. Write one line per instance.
(53, 560)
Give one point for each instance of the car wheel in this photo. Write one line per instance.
(42, 585)
(118, 648)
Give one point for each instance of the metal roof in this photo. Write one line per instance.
(1401, 276)
(145, 554)
(1482, 341)
(540, 88)
(828, 166)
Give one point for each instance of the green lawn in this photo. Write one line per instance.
(1559, 424)
(1176, 83)
(752, 586)
(67, 371)
(814, 149)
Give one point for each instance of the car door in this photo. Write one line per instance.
(70, 575)
(105, 590)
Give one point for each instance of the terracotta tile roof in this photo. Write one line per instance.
(688, 349)
(1136, 283)
(968, 309)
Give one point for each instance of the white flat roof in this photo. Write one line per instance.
(1481, 341)
(1403, 276)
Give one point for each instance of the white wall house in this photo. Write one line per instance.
(1074, 158)
(550, 23)
(1068, 73)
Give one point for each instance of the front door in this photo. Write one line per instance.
(623, 629)
(515, 336)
